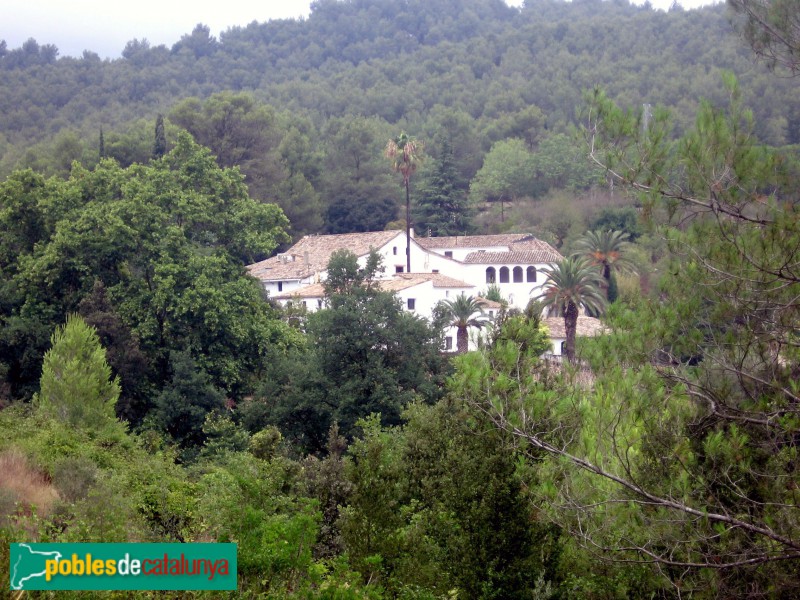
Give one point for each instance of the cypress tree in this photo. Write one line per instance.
(443, 208)
(160, 144)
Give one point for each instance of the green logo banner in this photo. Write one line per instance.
(123, 567)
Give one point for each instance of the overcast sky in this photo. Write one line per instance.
(105, 26)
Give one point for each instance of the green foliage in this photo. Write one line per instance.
(524, 331)
(360, 193)
(183, 406)
(612, 292)
(264, 444)
(507, 173)
(223, 435)
(674, 449)
(518, 392)
(275, 157)
(561, 163)
(493, 293)
(436, 509)
(76, 384)
(275, 531)
(112, 490)
(166, 242)
(160, 143)
(123, 353)
(771, 30)
(442, 208)
(624, 219)
(515, 72)
(366, 355)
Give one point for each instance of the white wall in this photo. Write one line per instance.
(393, 254)
(517, 294)
(426, 297)
(287, 286)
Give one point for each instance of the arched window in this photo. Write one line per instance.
(517, 274)
(490, 275)
(531, 274)
(503, 274)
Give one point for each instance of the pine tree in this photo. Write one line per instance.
(76, 383)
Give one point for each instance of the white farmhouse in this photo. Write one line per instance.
(442, 268)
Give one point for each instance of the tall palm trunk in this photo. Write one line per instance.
(408, 230)
(462, 339)
(606, 278)
(570, 326)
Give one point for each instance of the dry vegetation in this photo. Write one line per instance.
(23, 488)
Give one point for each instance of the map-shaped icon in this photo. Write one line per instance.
(28, 564)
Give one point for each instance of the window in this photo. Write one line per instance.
(503, 274)
(448, 343)
(412, 303)
(398, 269)
(305, 304)
(563, 348)
(490, 275)
(394, 250)
(280, 286)
(491, 314)
(517, 274)
(435, 270)
(319, 303)
(531, 274)
(448, 253)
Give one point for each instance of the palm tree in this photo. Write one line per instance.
(605, 250)
(405, 153)
(572, 284)
(463, 312)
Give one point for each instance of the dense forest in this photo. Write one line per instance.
(151, 391)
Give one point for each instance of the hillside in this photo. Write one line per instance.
(410, 64)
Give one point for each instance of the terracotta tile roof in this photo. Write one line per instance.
(487, 304)
(399, 281)
(402, 281)
(586, 327)
(519, 257)
(312, 253)
(472, 241)
(315, 290)
(519, 248)
(534, 245)
(439, 280)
